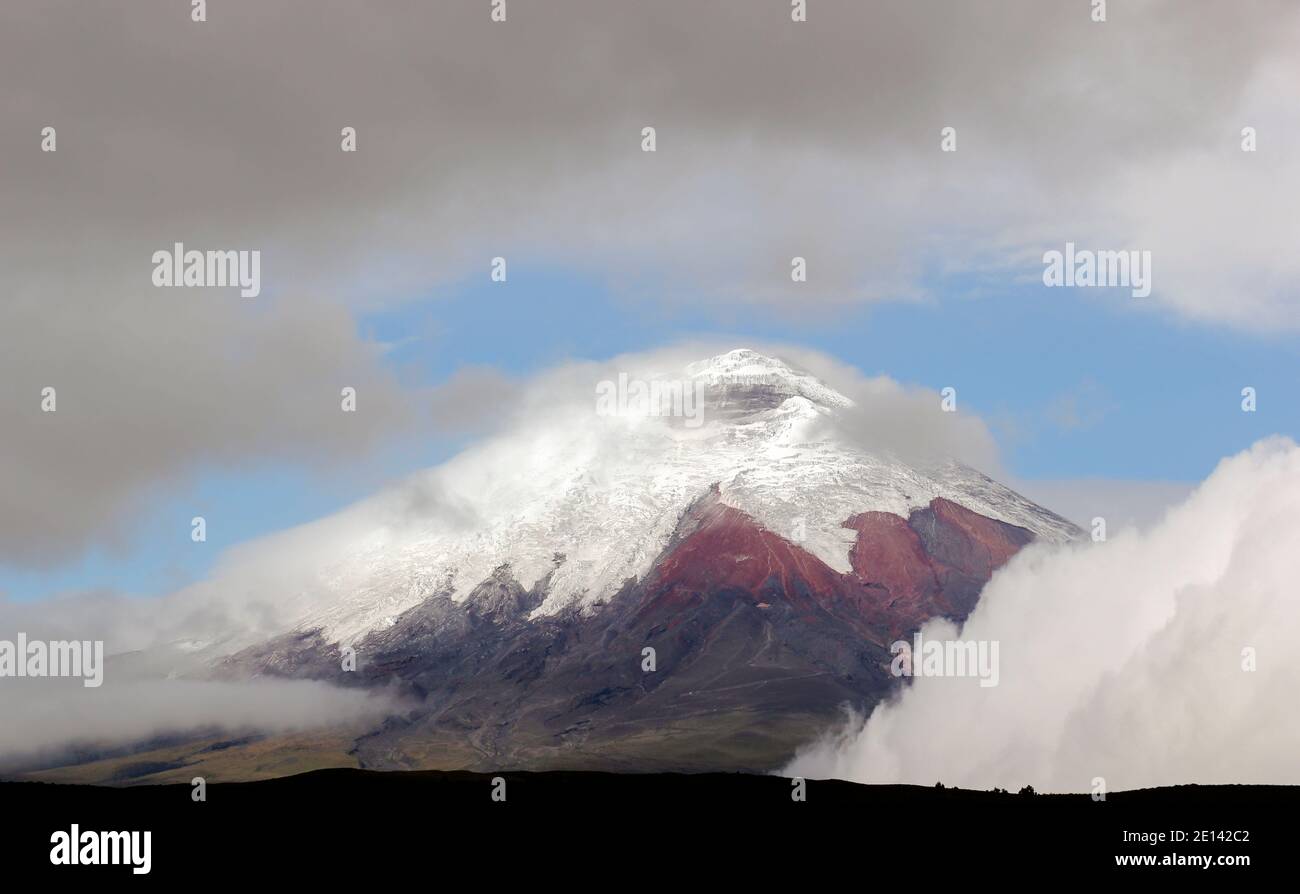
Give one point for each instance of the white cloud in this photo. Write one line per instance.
(1121, 660)
(43, 716)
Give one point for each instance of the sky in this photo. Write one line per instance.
(524, 139)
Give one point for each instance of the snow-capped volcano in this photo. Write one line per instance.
(761, 535)
(588, 500)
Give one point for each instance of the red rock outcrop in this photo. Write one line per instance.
(904, 570)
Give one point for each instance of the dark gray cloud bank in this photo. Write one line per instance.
(522, 139)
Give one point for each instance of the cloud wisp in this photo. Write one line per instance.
(45, 720)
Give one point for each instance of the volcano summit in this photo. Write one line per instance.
(627, 592)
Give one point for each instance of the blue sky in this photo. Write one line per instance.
(1075, 383)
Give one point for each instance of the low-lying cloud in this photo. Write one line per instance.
(46, 717)
(1157, 657)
